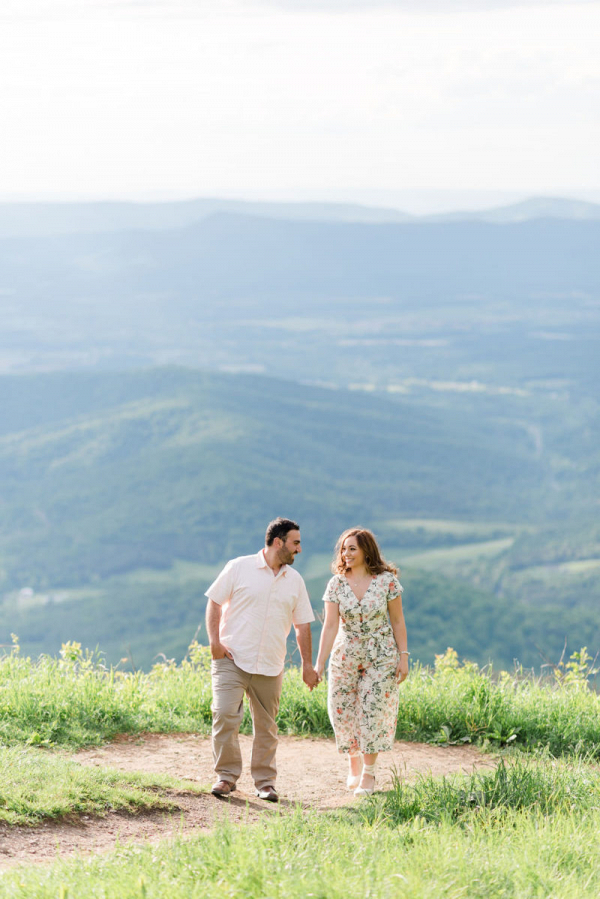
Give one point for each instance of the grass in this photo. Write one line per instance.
(525, 830)
(544, 786)
(75, 701)
(297, 856)
(436, 558)
(461, 703)
(471, 529)
(37, 785)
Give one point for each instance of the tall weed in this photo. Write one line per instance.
(76, 700)
(537, 785)
(462, 703)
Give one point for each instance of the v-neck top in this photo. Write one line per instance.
(365, 629)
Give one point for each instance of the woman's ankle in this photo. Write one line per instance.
(355, 765)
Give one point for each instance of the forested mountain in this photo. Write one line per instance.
(102, 474)
(122, 493)
(177, 374)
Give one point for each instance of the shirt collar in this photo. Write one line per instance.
(261, 562)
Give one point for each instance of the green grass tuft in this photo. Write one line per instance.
(522, 784)
(36, 785)
(456, 703)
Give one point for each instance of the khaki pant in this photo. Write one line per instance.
(229, 684)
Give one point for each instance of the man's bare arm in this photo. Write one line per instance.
(213, 620)
(304, 640)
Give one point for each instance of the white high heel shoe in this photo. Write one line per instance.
(367, 791)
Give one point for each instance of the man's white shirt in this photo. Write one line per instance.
(259, 609)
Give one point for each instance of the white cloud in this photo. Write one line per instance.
(125, 98)
(419, 6)
(60, 9)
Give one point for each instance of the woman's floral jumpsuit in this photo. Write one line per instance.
(363, 692)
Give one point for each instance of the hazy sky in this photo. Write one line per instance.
(297, 97)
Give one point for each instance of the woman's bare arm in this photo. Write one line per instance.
(399, 629)
(328, 635)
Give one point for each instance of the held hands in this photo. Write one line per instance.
(320, 670)
(310, 677)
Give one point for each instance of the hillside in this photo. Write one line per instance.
(436, 380)
(101, 474)
(122, 494)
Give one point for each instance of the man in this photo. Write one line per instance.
(251, 608)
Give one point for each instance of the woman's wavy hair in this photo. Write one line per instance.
(374, 561)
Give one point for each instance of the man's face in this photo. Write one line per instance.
(289, 548)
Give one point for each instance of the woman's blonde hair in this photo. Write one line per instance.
(374, 561)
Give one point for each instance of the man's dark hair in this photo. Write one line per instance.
(280, 527)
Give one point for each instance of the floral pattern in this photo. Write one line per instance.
(363, 692)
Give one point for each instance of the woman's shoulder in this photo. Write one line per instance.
(389, 580)
(333, 590)
(337, 582)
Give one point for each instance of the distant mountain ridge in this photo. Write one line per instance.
(533, 208)
(48, 219)
(207, 294)
(249, 254)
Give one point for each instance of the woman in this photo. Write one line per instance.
(369, 658)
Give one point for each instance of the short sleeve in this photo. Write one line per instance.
(395, 588)
(221, 590)
(332, 591)
(303, 613)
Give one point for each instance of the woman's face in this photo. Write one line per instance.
(352, 554)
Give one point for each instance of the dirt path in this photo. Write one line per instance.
(310, 772)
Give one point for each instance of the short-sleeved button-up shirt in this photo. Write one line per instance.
(259, 609)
